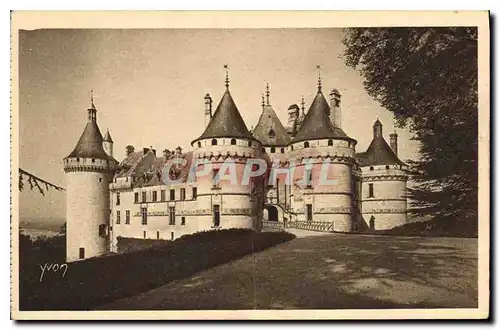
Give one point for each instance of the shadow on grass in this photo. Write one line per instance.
(331, 272)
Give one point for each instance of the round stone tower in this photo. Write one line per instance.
(321, 161)
(88, 171)
(383, 188)
(223, 154)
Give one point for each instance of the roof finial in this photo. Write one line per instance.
(267, 93)
(318, 67)
(302, 103)
(92, 106)
(226, 67)
(263, 103)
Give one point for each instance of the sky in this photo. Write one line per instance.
(149, 87)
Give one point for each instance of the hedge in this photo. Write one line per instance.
(93, 282)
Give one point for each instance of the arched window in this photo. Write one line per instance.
(306, 144)
(371, 168)
(263, 149)
(386, 167)
(214, 142)
(282, 150)
(199, 144)
(330, 142)
(233, 142)
(273, 150)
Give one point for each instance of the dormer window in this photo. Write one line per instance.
(272, 133)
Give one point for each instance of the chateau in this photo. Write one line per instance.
(145, 196)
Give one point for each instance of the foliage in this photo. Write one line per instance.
(427, 77)
(35, 182)
(434, 228)
(92, 282)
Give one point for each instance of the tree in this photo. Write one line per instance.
(35, 182)
(427, 77)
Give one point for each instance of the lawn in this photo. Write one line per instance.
(331, 271)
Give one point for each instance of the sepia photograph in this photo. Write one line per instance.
(258, 165)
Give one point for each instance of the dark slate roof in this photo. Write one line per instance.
(90, 143)
(226, 121)
(317, 125)
(378, 153)
(107, 137)
(147, 169)
(269, 121)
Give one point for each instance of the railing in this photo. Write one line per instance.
(314, 226)
(272, 226)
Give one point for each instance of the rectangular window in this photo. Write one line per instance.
(144, 233)
(136, 197)
(183, 194)
(144, 215)
(309, 212)
(144, 197)
(308, 174)
(117, 198)
(154, 196)
(216, 215)
(162, 195)
(157, 235)
(195, 192)
(171, 215)
(172, 194)
(183, 221)
(215, 178)
(127, 217)
(117, 217)
(82, 253)
(370, 190)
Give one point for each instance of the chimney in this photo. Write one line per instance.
(394, 142)
(208, 109)
(129, 149)
(335, 114)
(166, 154)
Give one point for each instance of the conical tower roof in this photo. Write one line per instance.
(379, 152)
(90, 143)
(317, 124)
(226, 121)
(269, 130)
(107, 137)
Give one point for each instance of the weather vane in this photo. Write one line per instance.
(226, 67)
(318, 67)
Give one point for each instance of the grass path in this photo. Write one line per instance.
(330, 271)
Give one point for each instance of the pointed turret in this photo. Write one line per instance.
(317, 123)
(379, 152)
(108, 143)
(107, 137)
(269, 129)
(227, 120)
(90, 144)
